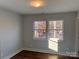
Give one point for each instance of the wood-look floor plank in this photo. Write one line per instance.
(37, 55)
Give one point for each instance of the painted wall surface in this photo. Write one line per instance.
(10, 32)
(0, 49)
(77, 34)
(68, 43)
(78, 31)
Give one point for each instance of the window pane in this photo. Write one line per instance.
(55, 29)
(39, 29)
(51, 33)
(40, 25)
(51, 24)
(58, 34)
(56, 24)
(39, 33)
(59, 25)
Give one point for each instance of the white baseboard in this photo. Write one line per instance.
(9, 56)
(40, 50)
(72, 54)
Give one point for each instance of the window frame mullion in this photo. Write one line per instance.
(47, 29)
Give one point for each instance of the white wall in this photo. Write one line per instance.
(0, 49)
(77, 31)
(78, 15)
(77, 34)
(10, 32)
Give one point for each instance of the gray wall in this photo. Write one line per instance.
(77, 35)
(10, 32)
(0, 49)
(78, 31)
(67, 45)
(11, 28)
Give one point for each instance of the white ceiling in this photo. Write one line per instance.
(51, 6)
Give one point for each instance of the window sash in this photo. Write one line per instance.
(48, 29)
(40, 33)
(55, 34)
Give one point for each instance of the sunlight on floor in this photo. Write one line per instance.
(53, 44)
(54, 57)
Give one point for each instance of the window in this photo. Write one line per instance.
(55, 29)
(40, 29)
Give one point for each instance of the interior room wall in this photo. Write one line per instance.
(10, 32)
(77, 34)
(68, 43)
(78, 30)
(0, 49)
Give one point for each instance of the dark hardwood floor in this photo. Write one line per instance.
(36, 55)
